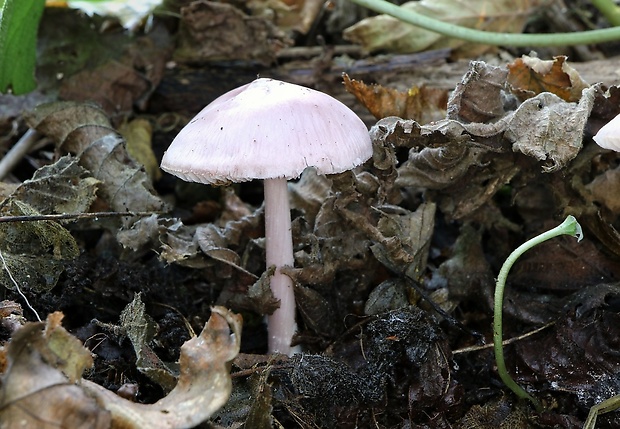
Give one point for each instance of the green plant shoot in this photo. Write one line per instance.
(19, 22)
(571, 227)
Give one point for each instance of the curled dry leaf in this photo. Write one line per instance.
(85, 131)
(406, 240)
(39, 387)
(481, 95)
(529, 76)
(423, 104)
(441, 154)
(550, 129)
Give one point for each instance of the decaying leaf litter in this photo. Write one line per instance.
(457, 180)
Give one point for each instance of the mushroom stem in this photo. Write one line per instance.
(279, 249)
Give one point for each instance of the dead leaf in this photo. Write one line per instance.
(550, 129)
(605, 189)
(114, 85)
(62, 187)
(481, 95)
(203, 387)
(138, 134)
(578, 354)
(83, 61)
(423, 104)
(386, 33)
(406, 240)
(85, 131)
(34, 252)
(37, 387)
(141, 329)
(211, 31)
(442, 154)
(38, 392)
(290, 15)
(530, 76)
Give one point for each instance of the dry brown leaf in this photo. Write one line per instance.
(481, 95)
(605, 189)
(43, 360)
(114, 85)
(211, 31)
(84, 130)
(82, 61)
(62, 187)
(423, 104)
(530, 76)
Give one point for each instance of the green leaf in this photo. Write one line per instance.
(19, 21)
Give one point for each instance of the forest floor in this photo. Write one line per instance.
(475, 150)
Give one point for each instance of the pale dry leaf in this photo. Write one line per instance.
(37, 391)
(386, 33)
(550, 129)
(203, 387)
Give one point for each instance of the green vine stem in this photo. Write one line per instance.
(609, 10)
(571, 227)
(488, 37)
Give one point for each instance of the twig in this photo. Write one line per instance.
(17, 152)
(65, 216)
(504, 343)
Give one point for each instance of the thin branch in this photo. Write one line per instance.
(17, 152)
(65, 216)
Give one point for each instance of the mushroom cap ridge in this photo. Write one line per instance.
(268, 129)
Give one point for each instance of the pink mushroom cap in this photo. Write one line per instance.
(268, 129)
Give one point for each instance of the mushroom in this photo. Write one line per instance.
(608, 137)
(270, 130)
